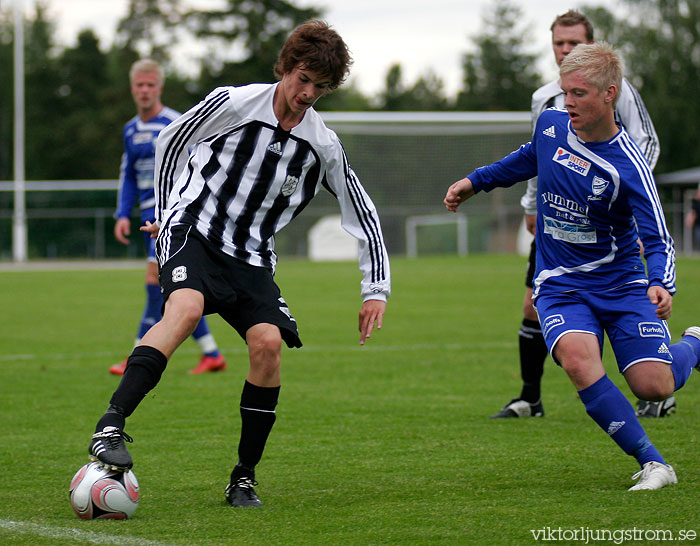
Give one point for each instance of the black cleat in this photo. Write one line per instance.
(108, 448)
(518, 407)
(240, 493)
(656, 409)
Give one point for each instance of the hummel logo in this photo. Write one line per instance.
(275, 148)
(615, 426)
(663, 350)
(550, 132)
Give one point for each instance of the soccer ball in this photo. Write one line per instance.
(99, 493)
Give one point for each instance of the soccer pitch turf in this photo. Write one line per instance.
(390, 443)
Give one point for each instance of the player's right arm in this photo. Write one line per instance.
(458, 193)
(206, 119)
(633, 115)
(127, 195)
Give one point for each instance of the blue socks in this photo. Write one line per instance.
(686, 354)
(608, 407)
(151, 314)
(205, 339)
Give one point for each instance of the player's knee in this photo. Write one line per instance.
(185, 312)
(652, 381)
(652, 391)
(264, 343)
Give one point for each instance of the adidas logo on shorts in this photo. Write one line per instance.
(664, 350)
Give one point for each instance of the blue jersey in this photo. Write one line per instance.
(594, 199)
(138, 161)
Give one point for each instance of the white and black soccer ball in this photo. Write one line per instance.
(99, 493)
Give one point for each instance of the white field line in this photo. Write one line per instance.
(306, 348)
(66, 533)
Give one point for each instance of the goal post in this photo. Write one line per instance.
(421, 220)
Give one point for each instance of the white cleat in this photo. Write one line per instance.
(692, 331)
(654, 475)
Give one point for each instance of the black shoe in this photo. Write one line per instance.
(656, 409)
(240, 493)
(108, 447)
(518, 407)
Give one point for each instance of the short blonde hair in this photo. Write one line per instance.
(148, 66)
(601, 65)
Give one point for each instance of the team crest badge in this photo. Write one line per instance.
(599, 185)
(290, 185)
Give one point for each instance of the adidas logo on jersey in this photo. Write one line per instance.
(275, 148)
(615, 426)
(663, 350)
(550, 132)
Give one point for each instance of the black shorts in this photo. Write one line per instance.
(530, 275)
(242, 294)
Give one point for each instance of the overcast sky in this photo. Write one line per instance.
(420, 35)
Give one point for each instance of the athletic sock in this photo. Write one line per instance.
(257, 417)
(151, 313)
(533, 352)
(695, 344)
(240, 471)
(205, 339)
(608, 407)
(684, 361)
(143, 371)
(114, 417)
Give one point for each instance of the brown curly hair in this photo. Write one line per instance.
(318, 48)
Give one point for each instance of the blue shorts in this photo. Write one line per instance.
(150, 246)
(624, 313)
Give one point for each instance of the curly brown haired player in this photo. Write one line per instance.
(230, 173)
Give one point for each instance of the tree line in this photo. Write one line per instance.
(78, 99)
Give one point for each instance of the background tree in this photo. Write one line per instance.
(6, 95)
(660, 42)
(152, 27)
(499, 75)
(426, 94)
(243, 39)
(88, 143)
(43, 104)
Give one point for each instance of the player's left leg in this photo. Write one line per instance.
(258, 402)
(532, 352)
(651, 365)
(608, 406)
(260, 315)
(574, 332)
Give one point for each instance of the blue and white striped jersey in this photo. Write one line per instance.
(629, 111)
(588, 197)
(227, 168)
(138, 160)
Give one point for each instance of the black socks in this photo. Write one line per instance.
(533, 352)
(143, 371)
(257, 417)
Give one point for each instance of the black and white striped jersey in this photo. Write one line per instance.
(227, 168)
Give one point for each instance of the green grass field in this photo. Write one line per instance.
(384, 444)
